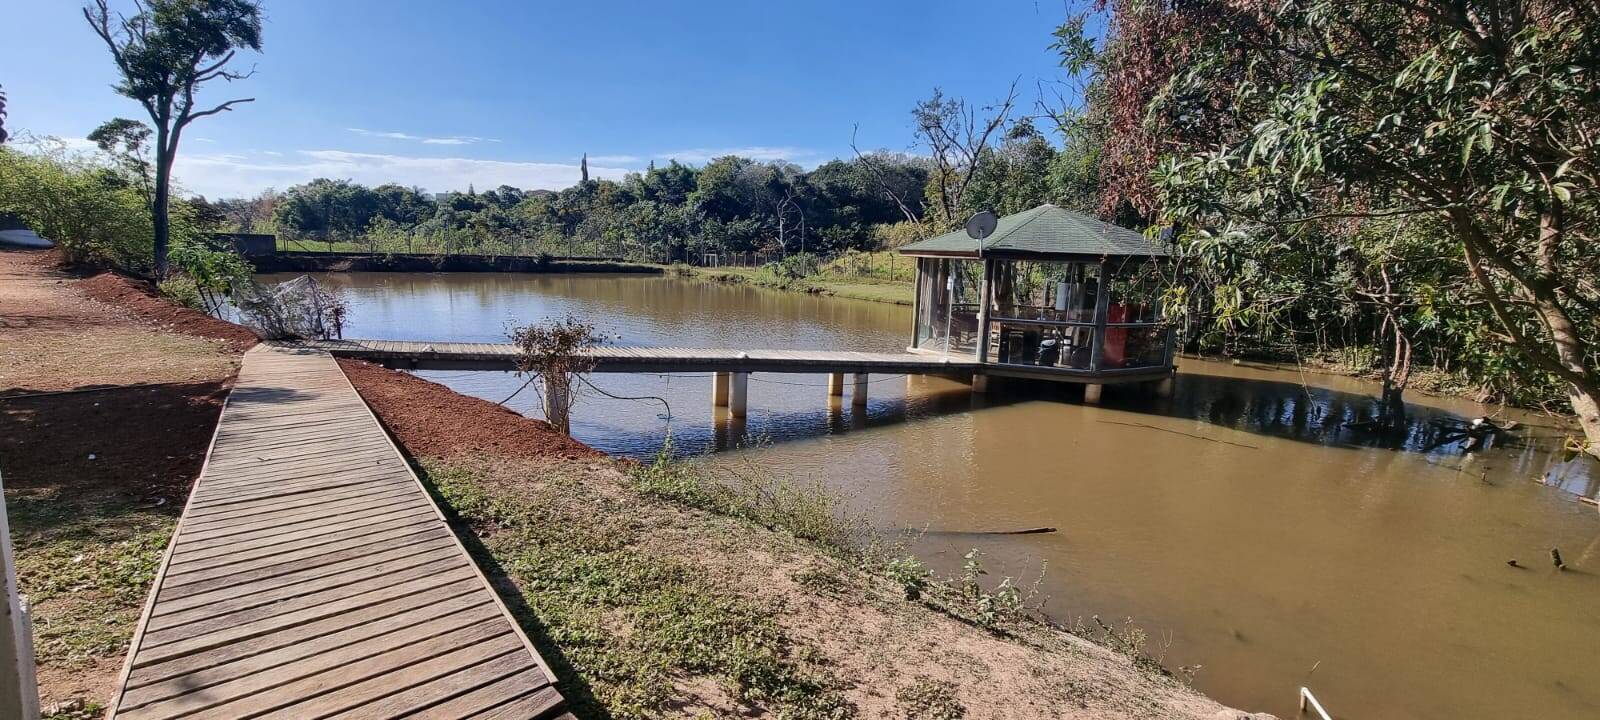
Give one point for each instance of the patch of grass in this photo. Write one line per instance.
(898, 292)
(632, 625)
(86, 568)
(928, 699)
(806, 510)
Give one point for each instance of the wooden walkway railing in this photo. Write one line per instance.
(311, 576)
(612, 358)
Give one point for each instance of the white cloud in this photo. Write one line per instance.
(451, 140)
(615, 159)
(227, 175)
(700, 156)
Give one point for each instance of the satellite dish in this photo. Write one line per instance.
(981, 225)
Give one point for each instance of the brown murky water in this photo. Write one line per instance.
(1241, 523)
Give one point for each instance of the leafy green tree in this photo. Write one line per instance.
(165, 53)
(127, 141)
(1481, 115)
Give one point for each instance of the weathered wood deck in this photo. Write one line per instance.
(311, 576)
(502, 356)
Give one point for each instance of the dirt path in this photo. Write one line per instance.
(105, 413)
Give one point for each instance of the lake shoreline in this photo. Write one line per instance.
(768, 600)
(419, 263)
(797, 588)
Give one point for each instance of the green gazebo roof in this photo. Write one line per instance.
(1045, 231)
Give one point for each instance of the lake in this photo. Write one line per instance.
(1242, 523)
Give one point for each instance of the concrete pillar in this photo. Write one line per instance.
(719, 390)
(1164, 388)
(1091, 393)
(835, 384)
(980, 383)
(738, 393)
(858, 397)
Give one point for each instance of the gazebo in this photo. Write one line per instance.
(1049, 294)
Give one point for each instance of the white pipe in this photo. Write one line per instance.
(19, 686)
(1305, 697)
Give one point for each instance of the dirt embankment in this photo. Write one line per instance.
(108, 398)
(432, 420)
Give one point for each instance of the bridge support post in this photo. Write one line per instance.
(980, 383)
(1091, 393)
(719, 389)
(738, 393)
(835, 384)
(858, 396)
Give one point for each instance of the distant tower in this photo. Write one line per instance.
(584, 166)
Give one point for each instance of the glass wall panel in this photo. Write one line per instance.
(948, 296)
(1134, 347)
(1135, 293)
(1030, 290)
(1040, 345)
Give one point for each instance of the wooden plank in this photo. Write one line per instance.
(311, 573)
(352, 624)
(322, 652)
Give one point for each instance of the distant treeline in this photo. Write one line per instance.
(671, 212)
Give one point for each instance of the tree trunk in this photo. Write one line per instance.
(158, 208)
(1586, 403)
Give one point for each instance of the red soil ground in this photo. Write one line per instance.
(142, 300)
(431, 420)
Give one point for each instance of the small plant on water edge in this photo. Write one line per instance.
(1003, 604)
(910, 574)
(1132, 641)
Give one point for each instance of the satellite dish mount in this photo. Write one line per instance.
(981, 225)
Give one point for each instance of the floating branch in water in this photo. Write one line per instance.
(1026, 531)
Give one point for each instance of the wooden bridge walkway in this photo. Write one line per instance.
(311, 576)
(502, 356)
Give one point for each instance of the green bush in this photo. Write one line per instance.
(97, 213)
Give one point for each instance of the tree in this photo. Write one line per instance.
(1482, 115)
(127, 142)
(165, 53)
(3, 134)
(958, 139)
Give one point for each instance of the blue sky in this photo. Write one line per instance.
(442, 94)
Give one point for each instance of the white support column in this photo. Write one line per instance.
(980, 383)
(835, 385)
(738, 393)
(1091, 393)
(858, 397)
(19, 685)
(719, 390)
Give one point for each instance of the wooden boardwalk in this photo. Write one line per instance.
(311, 576)
(502, 356)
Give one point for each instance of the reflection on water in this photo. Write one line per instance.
(1246, 519)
